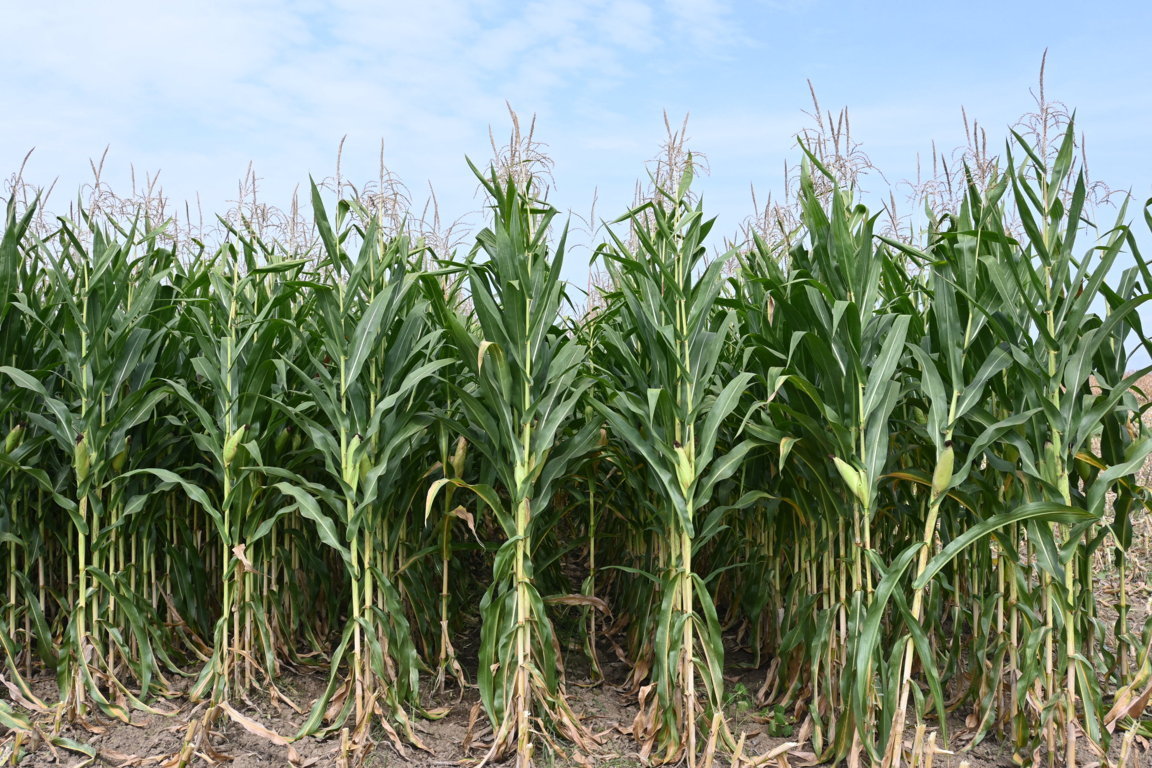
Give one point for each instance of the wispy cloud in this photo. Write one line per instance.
(709, 25)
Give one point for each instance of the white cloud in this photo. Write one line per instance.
(199, 85)
(708, 24)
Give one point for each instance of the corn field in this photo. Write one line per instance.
(896, 475)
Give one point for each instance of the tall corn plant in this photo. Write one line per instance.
(369, 379)
(957, 357)
(516, 410)
(1056, 342)
(670, 396)
(234, 321)
(103, 288)
(234, 304)
(453, 463)
(840, 321)
(25, 635)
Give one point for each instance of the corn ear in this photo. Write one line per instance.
(684, 470)
(459, 456)
(13, 439)
(944, 469)
(232, 444)
(852, 478)
(121, 458)
(283, 439)
(81, 459)
(351, 464)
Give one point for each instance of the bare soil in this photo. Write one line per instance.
(454, 739)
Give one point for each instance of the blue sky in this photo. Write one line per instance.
(197, 90)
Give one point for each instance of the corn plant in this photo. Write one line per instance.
(102, 292)
(526, 383)
(371, 369)
(671, 393)
(1056, 346)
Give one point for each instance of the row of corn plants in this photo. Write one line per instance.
(898, 476)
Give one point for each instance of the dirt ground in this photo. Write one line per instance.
(153, 740)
